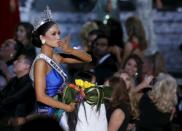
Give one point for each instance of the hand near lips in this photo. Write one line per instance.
(65, 44)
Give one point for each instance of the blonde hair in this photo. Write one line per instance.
(164, 93)
(86, 28)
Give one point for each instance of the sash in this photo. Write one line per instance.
(51, 62)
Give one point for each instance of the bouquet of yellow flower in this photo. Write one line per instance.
(85, 91)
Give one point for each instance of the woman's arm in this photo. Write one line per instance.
(40, 87)
(144, 84)
(81, 55)
(116, 120)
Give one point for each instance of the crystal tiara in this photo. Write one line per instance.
(44, 17)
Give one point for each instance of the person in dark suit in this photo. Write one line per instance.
(17, 98)
(106, 62)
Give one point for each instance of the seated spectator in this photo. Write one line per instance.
(17, 98)
(9, 52)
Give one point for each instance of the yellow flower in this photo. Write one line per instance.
(86, 84)
(83, 84)
(79, 82)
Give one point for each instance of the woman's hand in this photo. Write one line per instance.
(144, 84)
(65, 44)
(80, 55)
(147, 80)
(70, 107)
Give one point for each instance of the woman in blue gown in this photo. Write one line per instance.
(46, 72)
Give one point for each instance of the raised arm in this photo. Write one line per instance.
(81, 56)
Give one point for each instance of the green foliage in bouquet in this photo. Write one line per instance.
(86, 91)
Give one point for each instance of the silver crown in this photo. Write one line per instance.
(44, 17)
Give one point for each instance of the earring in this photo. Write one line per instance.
(136, 74)
(43, 41)
(11, 55)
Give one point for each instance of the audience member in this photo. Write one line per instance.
(23, 35)
(17, 99)
(118, 109)
(137, 42)
(133, 65)
(157, 105)
(106, 63)
(9, 52)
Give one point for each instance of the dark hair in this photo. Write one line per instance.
(139, 63)
(115, 32)
(28, 58)
(28, 27)
(41, 31)
(102, 36)
(120, 93)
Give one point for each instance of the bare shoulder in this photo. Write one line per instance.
(40, 64)
(118, 113)
(116, 120)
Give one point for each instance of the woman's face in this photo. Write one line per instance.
(131, 67)
(21, 33)
(7, 49)
(52, 36)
